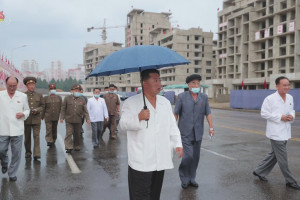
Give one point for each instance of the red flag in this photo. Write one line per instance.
(265, 84)
(218, 9)
(242, 84)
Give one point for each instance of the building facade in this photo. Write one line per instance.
(147, 28)
(258, 40)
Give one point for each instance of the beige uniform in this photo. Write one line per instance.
(35, 101)
(51, 116)
(72, 110)
(112, 101)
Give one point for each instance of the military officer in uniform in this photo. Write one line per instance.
(36, 104)
(113, 106)
(51, 115)
(72, 110)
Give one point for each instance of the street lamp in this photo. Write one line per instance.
(12, 51)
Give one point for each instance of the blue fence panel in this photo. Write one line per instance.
(253, 99)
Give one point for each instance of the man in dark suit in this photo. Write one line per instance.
(191, 107)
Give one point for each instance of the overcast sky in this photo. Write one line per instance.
(57, 29)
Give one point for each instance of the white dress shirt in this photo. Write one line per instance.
(150, 149)
(97, 109)
(272, 109)
(9, 107)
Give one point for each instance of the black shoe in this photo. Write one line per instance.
(4, 170)
(27, 155)
(13, 179)
(69, 151)
(36, 157)
(260, 177)
(49, 144)
(194, 184)
(293, 185)
(184, 185)
(77, 149)
(95, 147)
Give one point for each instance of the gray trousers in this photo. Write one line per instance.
(190, 160)
(277, 154)
(16, 149)
(97, 128)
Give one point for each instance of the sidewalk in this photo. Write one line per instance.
(226, 106)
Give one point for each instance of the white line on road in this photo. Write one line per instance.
(227, 157)
(70, 160)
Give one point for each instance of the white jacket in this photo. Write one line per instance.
(150, 149)
(9, 107)
(272, 109)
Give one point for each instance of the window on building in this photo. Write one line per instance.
(187, 46)
(188, 38)
(141, 37)
(283, 5)
(271, 22)
(208, 63)
(196, 46)
(196, 62)
(197, 54)
(187, 54)
(187, 70)
(282, 40)
(283, 18)
(282, 63)
(141, 31)
(203, 40)
(196, 37)
(152, 26)
(141, 43)
(141, 25)
(208, 71)
(208, 78)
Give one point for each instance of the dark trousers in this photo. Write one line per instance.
(145, 185)
(190, 160)
(36, 139)
(51, 131)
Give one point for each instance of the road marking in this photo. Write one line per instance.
(70, 160)
(251, 131)
(217, 154)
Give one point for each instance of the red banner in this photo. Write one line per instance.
(7, 70)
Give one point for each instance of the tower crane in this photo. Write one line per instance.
(103, 28)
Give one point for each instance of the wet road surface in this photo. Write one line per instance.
(224, 172)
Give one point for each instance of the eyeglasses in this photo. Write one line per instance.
(12, 86)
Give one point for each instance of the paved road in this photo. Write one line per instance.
(225, 169)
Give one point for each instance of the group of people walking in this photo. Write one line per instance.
(22, 113)
(149, 121)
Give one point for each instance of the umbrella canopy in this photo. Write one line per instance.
(137, 58)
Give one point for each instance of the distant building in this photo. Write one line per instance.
(258, 40)
(92, 55)
(77, 73)
(29, 66)
(57, 71)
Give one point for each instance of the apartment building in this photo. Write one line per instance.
(258, 40)
(92, 55)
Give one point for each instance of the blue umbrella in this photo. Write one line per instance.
(138, 58)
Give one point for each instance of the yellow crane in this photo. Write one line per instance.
(103, 28)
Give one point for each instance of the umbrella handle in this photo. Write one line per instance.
(145, 108)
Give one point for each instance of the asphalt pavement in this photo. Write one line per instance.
(225, 168)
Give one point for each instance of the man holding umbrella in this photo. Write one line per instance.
(191, 107)
(151, 133)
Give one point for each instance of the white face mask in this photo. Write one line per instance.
(52, 91)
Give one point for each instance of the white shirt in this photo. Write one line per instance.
(272, 109)
(9, 107)
(150, 149)
(97, 109)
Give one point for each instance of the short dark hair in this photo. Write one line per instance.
(277, 81)
(106, 88)
(145, 75)
(12, 77)
(112, 85)
(96, 89)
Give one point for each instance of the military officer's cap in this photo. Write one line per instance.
(52, 86)
(29, 79)
(193, 77)
(75, 87)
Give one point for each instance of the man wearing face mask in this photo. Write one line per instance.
(72, 110)
(51, 115)
(191, 107)
(113, 106)
(97, 109)
(36, 104)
